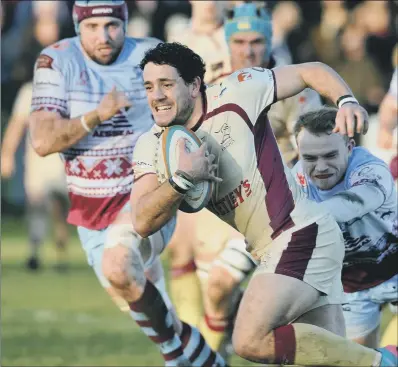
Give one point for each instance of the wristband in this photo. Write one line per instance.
(176, 186)
(84, 124)
(186, 177)
(346, 99)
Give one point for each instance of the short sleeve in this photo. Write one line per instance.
(144, 155)
(49, 86)
(253, 89)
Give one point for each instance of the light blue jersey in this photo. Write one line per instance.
(370, 226)
(99, 167)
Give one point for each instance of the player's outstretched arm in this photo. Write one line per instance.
(292, 79)
(370, 186)
(50, 133)
(153, 204)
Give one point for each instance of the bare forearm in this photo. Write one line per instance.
(324, 80)
(155, 209)
(388, 113)
(50, 133)
(13, 136)
(354, 203)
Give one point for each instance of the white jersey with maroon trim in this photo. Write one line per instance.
(212, 48)
(284, 114)
(98, 167)
(258, 195)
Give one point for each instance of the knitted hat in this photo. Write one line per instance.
(249, 18)
(99, 8)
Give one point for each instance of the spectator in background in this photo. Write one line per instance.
(44, 182)
(375, 17)
(45, 31)
(15, 20)
(324, 36)
(141, 21)
(206, 37)
(358, 69)
(286, 16)
(388, 113)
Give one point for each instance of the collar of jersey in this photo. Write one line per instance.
(94, 65)
(204, 112)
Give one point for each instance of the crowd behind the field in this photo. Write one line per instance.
(356, 38)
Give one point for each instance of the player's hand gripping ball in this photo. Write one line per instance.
(166, 163)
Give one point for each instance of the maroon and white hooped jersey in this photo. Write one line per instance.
(98, 168)
(258, 195)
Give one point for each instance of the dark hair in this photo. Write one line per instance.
(317, 122)
(189, 65)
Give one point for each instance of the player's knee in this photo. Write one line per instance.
(122, 263)
(123, 267)
(251, 348)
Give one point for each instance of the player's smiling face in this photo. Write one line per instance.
(170, 98)
(324, 157)
(102, 38)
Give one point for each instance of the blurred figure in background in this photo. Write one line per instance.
(44, 181)
(206, 37)
(325, 35)
(44, 178)
(15, 20)
(388, 112)
(286, 16)
(375, 18)
(358, 69)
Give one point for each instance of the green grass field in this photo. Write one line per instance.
(53, 319)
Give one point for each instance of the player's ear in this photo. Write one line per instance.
(351, 145)
(196, 87)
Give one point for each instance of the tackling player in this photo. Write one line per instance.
(358, 189)
(298, 243)
(89, 104)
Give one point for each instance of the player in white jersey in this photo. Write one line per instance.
(223, 265)
(358, 189)
(298, 242)
(205, 35)
(89, 104)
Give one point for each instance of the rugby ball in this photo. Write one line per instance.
(166, 163)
